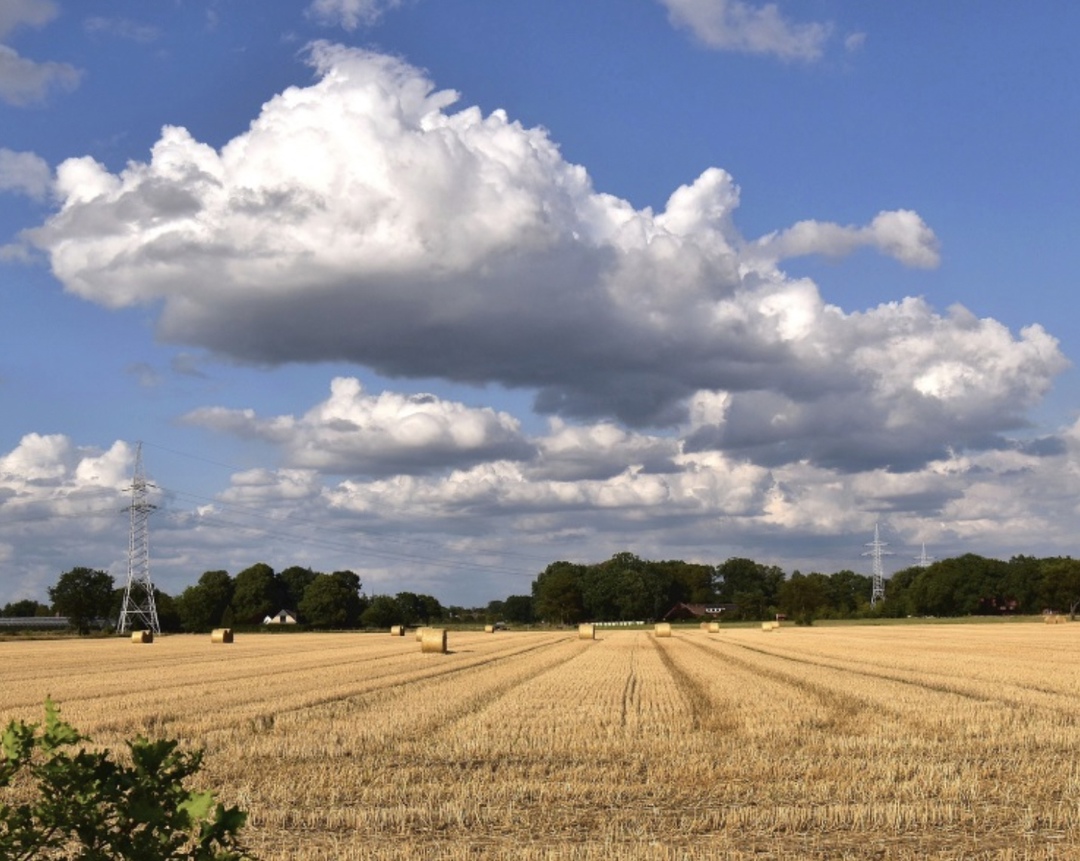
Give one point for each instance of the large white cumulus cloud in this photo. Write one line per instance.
(354, 432)
(361, 219)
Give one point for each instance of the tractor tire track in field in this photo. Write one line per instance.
(629, 690)
(482, 693)
(937, 687)
(844, 709)
(951, 688)
(704, 716)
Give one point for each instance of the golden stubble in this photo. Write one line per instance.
(849, 742)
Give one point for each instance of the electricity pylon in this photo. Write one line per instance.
(139, 611)
(877, 546)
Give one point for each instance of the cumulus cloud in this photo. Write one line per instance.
(362, 219)
(732, 25)
(25, 173)
(353, 432)
(350, 14)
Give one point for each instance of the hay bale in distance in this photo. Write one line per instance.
(714, 627)
(662, 629)
(434, 640)
(768, 626)
(420, 634)
(221, 635)
(489, 629)
(586, 632)
(397, 630)
(142, 636)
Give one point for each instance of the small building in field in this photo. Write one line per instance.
(282, 617)
(699, 611)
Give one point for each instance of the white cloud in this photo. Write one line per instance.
(360, 219)
(24, 172)
(350, 14)
(122, 28)
(32, 13)
(356, 433)
(901, 234)
(24, 81)
(733, 25)
(407, 529)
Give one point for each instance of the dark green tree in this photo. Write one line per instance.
(382, 612)
(848, 592)
(1060, 584)
(753, 587)
(203, 607)
(354, 599)
(25, 607)
(518, 609)
(256, 595)
(293, 581)
(325, 602)
(168, 612)
(557, 594)
(83, 595)
(804, 596)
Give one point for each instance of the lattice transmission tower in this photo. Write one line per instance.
(139, 611)
(922, 560)
(877, 550)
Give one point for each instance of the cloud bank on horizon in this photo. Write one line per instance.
(688, 381)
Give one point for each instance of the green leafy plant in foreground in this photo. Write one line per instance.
(84, 805)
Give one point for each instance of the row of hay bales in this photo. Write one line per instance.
(1055, 618)
(430, 639)
(218, 635)
(587, 631)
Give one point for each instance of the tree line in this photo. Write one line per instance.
(622, 588)
(627, 588)
(335, 600)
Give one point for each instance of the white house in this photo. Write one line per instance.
(282, 617)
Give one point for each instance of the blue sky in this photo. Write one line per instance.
(445, 291)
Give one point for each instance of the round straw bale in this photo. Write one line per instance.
(714, 627)
(420, 634)
(767, 626)
(221, 635)
(434, 640)
(663, 629)
(142, 636)
(489, 629)
(586, 631)
(397, 630)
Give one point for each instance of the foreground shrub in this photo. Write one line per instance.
(59, 800)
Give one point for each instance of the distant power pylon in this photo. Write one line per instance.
(877, 551)
(139, 611)
(922, 559)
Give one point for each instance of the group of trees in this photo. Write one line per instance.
(91, 598)
(622, 588)
(626, 588)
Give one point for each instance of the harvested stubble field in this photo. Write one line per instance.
(860, 742)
